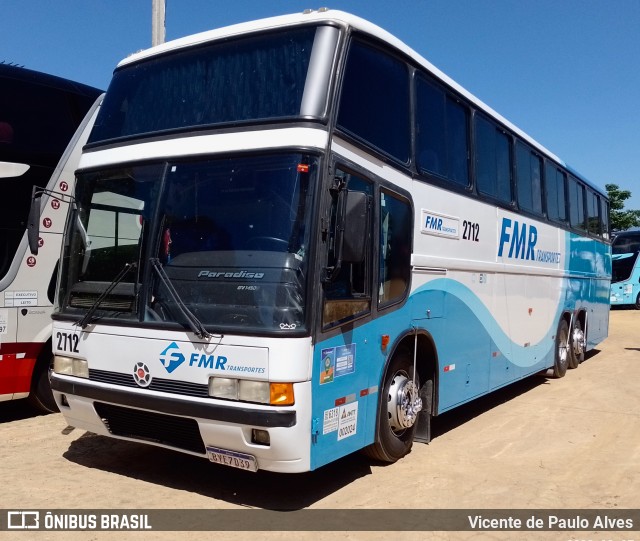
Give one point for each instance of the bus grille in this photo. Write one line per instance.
(183, 388)
(177, 432)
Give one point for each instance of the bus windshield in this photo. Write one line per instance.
(267, 77)
(231, 235)
(624, 252)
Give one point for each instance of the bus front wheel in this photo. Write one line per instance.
(398, 410)
(637, 305)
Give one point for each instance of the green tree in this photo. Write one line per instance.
(621, 219)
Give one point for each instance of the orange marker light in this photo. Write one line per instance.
(384, 341)
(303, 168)
(281, 394)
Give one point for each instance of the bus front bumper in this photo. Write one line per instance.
(190, 426)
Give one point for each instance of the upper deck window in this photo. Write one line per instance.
(493, 160)
(259, 77)
(374, 104)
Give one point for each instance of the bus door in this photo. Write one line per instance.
(346, 353)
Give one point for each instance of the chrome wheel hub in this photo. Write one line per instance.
(404, 403)
(578, 341)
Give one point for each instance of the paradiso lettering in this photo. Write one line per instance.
(239, 274)
(521, 239)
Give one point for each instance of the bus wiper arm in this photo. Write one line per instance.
(89, 315)
(194, 323)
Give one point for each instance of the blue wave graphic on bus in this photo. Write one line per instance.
(519, 355)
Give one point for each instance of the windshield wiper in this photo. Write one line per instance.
(194, 323)
(82, 323)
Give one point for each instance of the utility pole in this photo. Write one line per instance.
(157, 22)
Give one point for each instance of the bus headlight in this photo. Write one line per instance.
(223, 388)
(254, 391)
(262, 392)
(70, 366)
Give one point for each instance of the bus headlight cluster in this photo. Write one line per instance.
(262, 392)
(70, 366)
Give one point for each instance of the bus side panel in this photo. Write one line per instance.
(16, 367)
(344, 401)
(589, 286)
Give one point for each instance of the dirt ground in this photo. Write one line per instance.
(572, 443)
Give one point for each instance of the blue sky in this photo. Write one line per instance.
(567, 72)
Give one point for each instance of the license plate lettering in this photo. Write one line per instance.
(234, 459)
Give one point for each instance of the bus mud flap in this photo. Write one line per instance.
(423, 428)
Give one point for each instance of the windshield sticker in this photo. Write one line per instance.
(328, 365)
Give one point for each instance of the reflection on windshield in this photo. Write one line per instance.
(230, 234)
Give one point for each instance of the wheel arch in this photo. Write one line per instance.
(426, 359)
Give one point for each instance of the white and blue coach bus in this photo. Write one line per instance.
(295, 238)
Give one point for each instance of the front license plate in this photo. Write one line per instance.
(234, 459)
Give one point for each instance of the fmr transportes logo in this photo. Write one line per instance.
(171, 358)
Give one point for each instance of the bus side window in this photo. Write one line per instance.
(555, 186)
(395, 248)
(493, 160)
(442, 133)
(576, 204)
(529, 179)
(347, 295)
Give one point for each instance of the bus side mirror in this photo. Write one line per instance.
(355, 231)
(33, 224)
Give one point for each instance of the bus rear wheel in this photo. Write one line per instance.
(398, 410)
(561, 362)
(578, 341)
(637, 304)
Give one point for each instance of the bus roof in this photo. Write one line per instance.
(347, 21)
(9, 71)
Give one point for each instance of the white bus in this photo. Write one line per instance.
(336, 243)
(39, 115)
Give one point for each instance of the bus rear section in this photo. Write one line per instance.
(625, 280)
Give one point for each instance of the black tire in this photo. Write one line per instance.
(393, 441)
(562, 346)
(637, 304)
(40, 395)
(576, 350)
